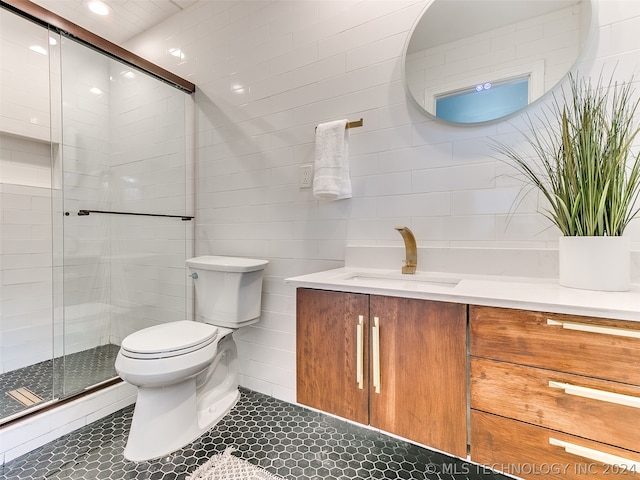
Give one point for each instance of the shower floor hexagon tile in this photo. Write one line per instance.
(72, 372)
(284, 439)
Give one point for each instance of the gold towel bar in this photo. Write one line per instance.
(357, 123)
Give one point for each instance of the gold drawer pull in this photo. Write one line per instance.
(603, 395)
(375, 341)
(583, 327)
(360, 352)
(597, 456)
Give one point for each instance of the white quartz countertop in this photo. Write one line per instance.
(544, 295)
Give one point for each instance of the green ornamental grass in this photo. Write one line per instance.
(584, 164)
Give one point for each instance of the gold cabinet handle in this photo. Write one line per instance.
(597, 456)
(592, 393)
(375, 354)
(360, 352)
(583, 327)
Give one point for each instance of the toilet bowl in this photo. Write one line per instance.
(186, 371)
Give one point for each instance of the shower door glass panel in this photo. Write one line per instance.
(124, 151)
(26, 190)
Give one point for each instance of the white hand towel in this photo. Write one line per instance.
(331, 179)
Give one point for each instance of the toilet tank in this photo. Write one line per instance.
(228, 289)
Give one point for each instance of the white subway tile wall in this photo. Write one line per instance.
(267, 73)
(24, 103)
(25, 269)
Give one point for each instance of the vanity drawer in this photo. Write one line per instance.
(594, 347)
(533, 452)
(600, 410)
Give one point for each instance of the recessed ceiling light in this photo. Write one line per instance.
(176, 52)
(99, 8)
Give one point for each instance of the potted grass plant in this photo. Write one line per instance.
(584, 165)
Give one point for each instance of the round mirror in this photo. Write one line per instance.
(476, 61)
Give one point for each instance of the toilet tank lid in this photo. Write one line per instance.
(227, 264)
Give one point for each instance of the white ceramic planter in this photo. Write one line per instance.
(595, 263)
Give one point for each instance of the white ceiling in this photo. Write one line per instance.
(128, 18)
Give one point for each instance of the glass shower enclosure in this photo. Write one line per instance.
(96, 204)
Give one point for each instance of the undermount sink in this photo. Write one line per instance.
(398, 280)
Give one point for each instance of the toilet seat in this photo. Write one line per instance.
(168, 340)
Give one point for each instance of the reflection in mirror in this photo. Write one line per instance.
(474, 61)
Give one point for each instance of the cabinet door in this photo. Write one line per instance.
(327, 352)
(422, 354)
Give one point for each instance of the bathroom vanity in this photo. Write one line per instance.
(416, 385)
(549, 384)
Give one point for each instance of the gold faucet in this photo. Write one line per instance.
(411, 251)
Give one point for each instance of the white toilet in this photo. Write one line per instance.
(186, 371)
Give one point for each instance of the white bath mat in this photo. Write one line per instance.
(225, 466)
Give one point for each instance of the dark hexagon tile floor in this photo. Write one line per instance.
(69, 374)
(287, 440)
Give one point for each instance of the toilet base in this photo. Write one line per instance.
(167, 414)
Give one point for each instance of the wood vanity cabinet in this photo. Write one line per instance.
(554, 395)
(397, 364)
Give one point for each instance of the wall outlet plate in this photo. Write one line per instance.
(305, 176)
